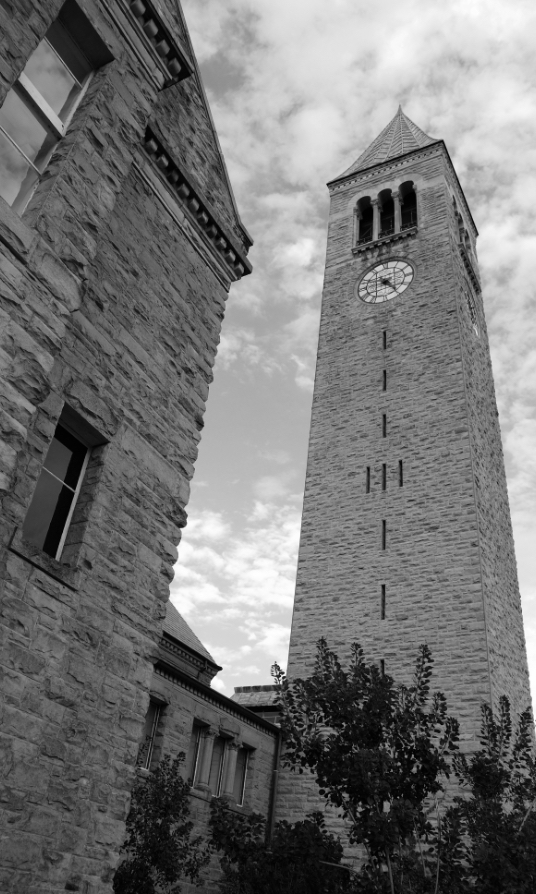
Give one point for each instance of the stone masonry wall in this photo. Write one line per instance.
(186, 704)
(448, 566)
(111, 303)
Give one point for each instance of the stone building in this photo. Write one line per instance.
(119, 240)
(406, 535)
(231, 750)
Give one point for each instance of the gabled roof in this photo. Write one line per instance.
(400, 136)
(176, 626)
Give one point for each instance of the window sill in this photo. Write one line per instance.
(67, 575)
(205, 795)
(410, 232)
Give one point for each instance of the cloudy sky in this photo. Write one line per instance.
(298, 88)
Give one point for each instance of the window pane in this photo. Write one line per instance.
(26, 131)
(65, 457)
(240, 775)
(52, 78)
(50, 504)
(193, 754)
(216, 767)
(17, 177)
(59, 519)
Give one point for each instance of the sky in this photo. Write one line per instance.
(298, 89)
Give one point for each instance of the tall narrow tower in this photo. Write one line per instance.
(406, 534)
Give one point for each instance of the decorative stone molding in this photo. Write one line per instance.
(468, 264)
(163, 44)
(190, 199)
(377, 244)
(201, 665)
(212, 697)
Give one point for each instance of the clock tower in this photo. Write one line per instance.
(406, 534)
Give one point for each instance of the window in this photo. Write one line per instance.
(387, 213)
(192, 758)
(215, 779)
(50, 512)
(365, 219)
(408, 206)
(39, 107)
(239, 786)
(145, 753)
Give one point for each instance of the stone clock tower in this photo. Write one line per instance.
(406, 534)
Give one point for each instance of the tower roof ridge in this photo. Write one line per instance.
(401, 135)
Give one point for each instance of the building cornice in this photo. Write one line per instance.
(196, 205)
(182, 679)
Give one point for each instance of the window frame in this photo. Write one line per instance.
(247, 756)
(89, 438)
(147, 760)
(78, 30)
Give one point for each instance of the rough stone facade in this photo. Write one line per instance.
(112, 286)
(447, 564)
(181, 687)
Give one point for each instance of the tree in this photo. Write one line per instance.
(159, 848)
(301, 858)
(491, 832)
(380, 754)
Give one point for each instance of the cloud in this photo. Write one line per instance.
(298, 90)
(240, 604)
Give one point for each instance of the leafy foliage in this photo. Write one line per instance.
(301, 859)
(379, 753)
(492, 832)
(159, 847)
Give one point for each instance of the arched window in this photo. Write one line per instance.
(408, 206)
(386, 206)
(365, 219)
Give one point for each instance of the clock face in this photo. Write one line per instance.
(385, 281)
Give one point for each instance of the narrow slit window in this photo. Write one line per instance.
(152, 719)
(382, 667)
(384, 534)
(384, 380)
(385, 339)
(384, 425)
(400, 474)
(384, 476)
(194, 751)
(54, 499)
(239, 786)
(217, 766)
(367, 483)
(382, 603)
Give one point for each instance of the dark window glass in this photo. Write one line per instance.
(409, 211)
(52, 501)
(365, 225)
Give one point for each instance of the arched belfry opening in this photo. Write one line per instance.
(408, 205)
(386, 207)
(365, 217)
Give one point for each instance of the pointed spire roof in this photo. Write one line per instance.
(400, 136)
